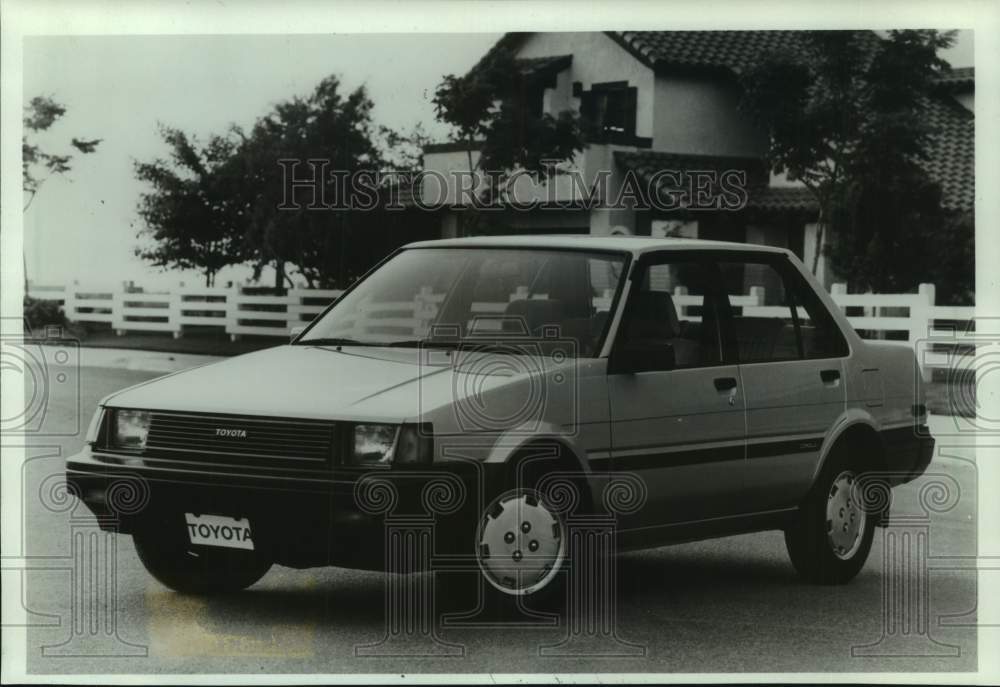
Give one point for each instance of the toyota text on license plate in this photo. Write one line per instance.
(219, 530)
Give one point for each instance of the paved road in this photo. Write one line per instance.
(731, 604)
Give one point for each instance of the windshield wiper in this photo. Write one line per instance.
(333, 341)
(469, 345)
(424, 343)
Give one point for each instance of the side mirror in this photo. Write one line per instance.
(295, 331)
(642, 356)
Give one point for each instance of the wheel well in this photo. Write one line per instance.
(862, 440)
(865, 442)
(539, 458)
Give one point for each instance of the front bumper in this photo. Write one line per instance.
(300, 520)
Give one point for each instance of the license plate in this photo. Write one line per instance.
(219, 530)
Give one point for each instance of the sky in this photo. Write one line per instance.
(83, 226)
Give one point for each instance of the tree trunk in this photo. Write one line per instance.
(818, 249)
(279, 274)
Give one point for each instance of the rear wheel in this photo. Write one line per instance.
(168, 556)
(830, 541)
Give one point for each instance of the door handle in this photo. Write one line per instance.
(829, 376)
(725, 383)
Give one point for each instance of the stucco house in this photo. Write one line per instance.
(668, 100)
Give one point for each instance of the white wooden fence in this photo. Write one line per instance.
(236, 311)
(938, 333)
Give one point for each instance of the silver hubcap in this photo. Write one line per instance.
(845, 518)
(520, 543)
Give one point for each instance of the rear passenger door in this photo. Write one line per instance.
(790, 354)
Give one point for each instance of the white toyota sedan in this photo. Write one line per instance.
(499, 393)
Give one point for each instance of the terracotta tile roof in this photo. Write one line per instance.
(761, 197)
(782, 199)
(951, 155)
(957, 80)
(543, 65)
(645, 163)
(731, 51)
(727, 50)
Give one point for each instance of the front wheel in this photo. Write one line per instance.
(830, 541)
(188, 568)
(521, 545)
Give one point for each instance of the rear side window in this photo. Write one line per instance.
(776, 315)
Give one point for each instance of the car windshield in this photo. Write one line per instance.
(456, 296)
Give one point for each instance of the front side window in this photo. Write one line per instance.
(776, 315)
(673, 310)
(451, 296)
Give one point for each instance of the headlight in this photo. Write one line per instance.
(131, 428)
(382, 445)
(373, 444)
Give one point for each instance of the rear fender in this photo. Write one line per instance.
(850, 421)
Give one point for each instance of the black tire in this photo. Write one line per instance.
(167, 555)
(824, 543)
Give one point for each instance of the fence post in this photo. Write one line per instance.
(232, 312)
(922, 317)
(174, 311)
(838, 289)
(69, 302)
(118, 310)
(921, 323)
(757, 293)
(293, 299)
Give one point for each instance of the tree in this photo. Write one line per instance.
(893, 234)
(324, 125)
(38, 165)
(494, 109)
(191, 212)
(845, 114)
(228, 202)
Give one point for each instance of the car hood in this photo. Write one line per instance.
(354, 383)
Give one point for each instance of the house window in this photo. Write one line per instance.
(534, 102)
(610, 110)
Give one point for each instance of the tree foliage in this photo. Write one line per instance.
(325, 125)
(191, 215)
(228, 201)
(495, 108)
(38, 165)
(847, 116)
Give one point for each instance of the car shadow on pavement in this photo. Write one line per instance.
(650, 577)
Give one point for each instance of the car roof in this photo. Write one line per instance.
(630, 244)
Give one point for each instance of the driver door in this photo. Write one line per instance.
(680, 426)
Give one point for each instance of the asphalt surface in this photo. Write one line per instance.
(726, 605)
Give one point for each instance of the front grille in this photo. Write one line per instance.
(248, 440)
